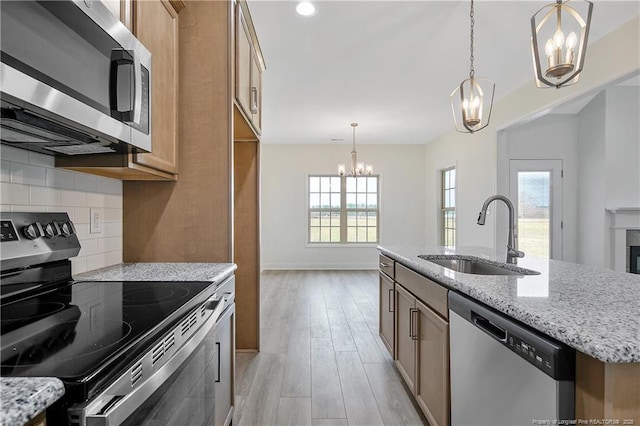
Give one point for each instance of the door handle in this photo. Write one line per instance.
(254, 100)
(488, 327)
(415, 332)
(129, 58)
(390, 299)
(218, 350)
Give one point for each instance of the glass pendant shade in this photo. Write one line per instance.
(559, 33)
(471, 103)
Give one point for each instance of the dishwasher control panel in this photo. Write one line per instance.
(530, 353)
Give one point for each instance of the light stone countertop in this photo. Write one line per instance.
(23, 398)
(212, 272)
(596, 311)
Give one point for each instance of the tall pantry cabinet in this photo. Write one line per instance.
(210, 213)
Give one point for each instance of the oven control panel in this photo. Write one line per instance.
(32, 238)
(8, 231)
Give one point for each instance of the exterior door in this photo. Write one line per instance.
(535, 188)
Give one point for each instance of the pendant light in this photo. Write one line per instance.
(472, 100)
(559, 33)
(357, 169)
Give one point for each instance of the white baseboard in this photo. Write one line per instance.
(318, 266)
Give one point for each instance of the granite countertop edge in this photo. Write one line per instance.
(565, 329)
(161, 271)
(23, 398)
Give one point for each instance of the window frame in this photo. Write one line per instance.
(344, 212)
(444, 210)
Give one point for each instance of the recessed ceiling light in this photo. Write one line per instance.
(305, 8)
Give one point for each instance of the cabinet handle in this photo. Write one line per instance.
(218, 348)
(411, 323)
(390, 299)
(384, 265)
(254, 100)
(415, 333)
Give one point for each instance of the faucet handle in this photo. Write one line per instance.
(514, 253)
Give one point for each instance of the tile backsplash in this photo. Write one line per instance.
(31, 183)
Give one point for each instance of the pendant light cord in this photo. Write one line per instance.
(472, 71)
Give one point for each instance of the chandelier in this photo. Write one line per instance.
(357, 169)
(472, 100)
(558, 59)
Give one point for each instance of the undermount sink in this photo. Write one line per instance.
(476, 266)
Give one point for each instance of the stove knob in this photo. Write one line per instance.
(51, 230)
(33, 231)
(67, 229)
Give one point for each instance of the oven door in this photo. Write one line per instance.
(180, 392)
(72, 64)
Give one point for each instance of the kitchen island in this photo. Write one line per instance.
(595, 311)
(23, 399)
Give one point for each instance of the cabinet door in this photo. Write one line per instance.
(405, 343)
(224, 383)
(432, 382)
(156, 26)
(386, 313)
(244, 62)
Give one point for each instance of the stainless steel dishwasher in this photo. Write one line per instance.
(503, 372)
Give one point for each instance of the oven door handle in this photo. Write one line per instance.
(120, 407)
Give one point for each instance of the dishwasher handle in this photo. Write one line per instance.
(488, 327)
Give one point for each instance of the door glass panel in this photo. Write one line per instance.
(534, 218)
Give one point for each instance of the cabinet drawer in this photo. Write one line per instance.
(387, 265)
(429, 292)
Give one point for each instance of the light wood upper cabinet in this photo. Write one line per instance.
(155, 24)
(249, 65)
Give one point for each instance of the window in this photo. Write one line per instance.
(449, 207)
(343, 209)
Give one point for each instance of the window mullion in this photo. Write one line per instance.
(343, 209)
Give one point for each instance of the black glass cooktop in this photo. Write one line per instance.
(80, 329)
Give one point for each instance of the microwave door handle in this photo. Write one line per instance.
(137, 72)
(119, 57)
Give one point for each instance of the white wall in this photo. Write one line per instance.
(591, 175)
(30, 183)
(623, 147)
(609, 173)
(476, 154)
(284, 171)
(550, 137)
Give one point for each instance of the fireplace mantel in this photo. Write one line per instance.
(621, 220)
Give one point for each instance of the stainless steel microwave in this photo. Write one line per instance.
(73, 79)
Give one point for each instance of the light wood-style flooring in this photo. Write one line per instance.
(321, 361)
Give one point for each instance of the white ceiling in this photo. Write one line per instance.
(391, 65)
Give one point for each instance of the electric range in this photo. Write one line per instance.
(107, 341)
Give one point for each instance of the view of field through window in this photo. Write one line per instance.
(449, 207)
(343, 209)
(534, 218)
